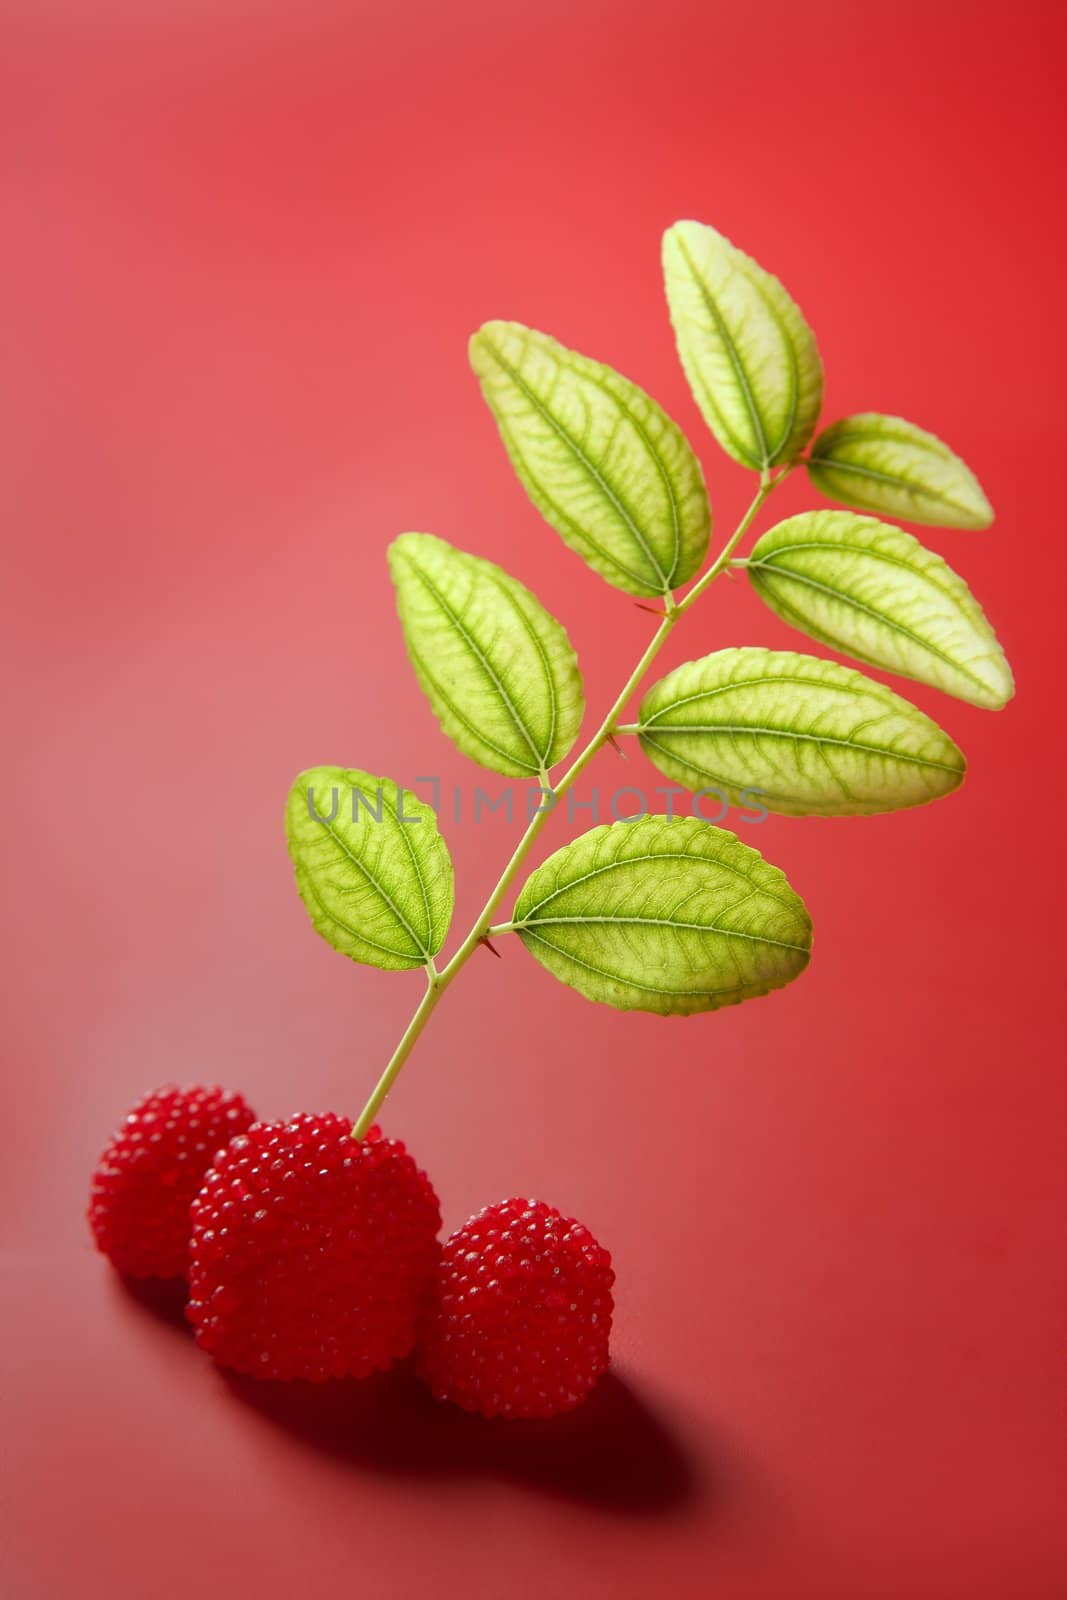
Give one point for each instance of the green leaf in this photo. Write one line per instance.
(498, 671)
(751, 359)
(886, 464)
(601, 462)
(811, 738)
(666, 915)
(875, 593)
(371, 867)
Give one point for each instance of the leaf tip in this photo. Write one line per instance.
(997, 686)
(671, 238)
(485, 344)
(411, 544)
(478, 348)
(688, 228)
(402, 545)
(982, 511)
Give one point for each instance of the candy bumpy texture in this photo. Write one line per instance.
(311, 1253)
(520, 1314)
(151, 1170)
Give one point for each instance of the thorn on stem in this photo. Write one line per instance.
(653, 611)
(617, 747)
(489, 945)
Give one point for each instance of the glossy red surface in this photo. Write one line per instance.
(243, 247)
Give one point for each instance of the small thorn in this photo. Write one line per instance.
(653, 611)
(617, 747)
(489, 945)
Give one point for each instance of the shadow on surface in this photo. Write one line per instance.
(613, 1453)
(163, 1298)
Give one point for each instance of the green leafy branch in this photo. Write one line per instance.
(672, 916)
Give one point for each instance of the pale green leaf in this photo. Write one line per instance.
(888, 465)
(874, 592)
(808, 736)
(666, 915)
(751, 359)
(498, 671)
(371, 867)
(599, 459)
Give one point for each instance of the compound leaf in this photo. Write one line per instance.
(667, 915)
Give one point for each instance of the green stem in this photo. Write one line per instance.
(483, 927)
(610, 722)
(401, 1053)
(440, 980)
(722, 560)
(480, 930)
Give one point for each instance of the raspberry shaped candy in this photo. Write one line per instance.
(311, 1253)
(519, 1318)
(150, 1171)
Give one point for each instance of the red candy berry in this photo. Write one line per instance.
(150, 1171)
(311, 1253)
(520, 1313)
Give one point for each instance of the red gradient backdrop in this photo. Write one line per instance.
(243, 247)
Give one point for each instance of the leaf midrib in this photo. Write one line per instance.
(573, 445)
(756, 730)
(767, 565)
(663, 922)
(339, 840)
(487, 666)
(919, 491)
(306, 880)
(711, 306)
(619, 862)
(547, 665)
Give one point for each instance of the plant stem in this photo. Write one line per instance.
(439, 981)
(400, 1054)
(722, 560)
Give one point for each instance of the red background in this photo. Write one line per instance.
(244, 246)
